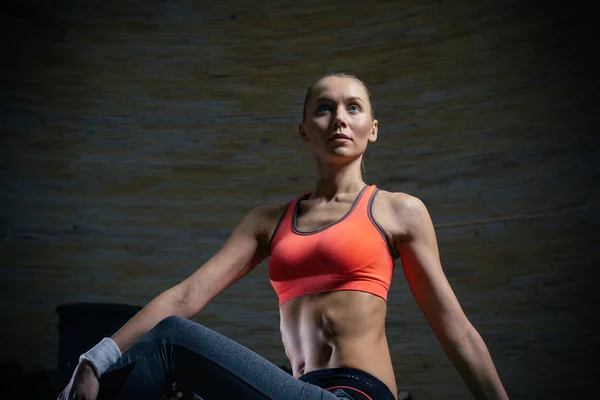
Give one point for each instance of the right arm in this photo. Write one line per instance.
(243, 250)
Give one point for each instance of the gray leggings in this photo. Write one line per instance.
(204, 362)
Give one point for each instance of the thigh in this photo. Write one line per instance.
(212, 365)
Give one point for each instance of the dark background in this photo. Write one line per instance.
(135, 135)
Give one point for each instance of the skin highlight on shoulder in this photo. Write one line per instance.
(398, 212)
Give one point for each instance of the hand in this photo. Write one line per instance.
(83, 385)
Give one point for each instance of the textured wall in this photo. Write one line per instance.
(135, 135)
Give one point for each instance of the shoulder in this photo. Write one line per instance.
(401, 203)
(264, 218)
(404, 212)
(268, 212)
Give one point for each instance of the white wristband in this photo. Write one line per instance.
(102, 355)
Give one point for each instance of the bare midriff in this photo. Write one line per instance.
(337, 329)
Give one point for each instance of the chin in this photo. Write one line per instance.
(338, 155)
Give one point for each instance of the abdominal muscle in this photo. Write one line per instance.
(337, 329)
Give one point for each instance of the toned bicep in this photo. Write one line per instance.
(243, 250)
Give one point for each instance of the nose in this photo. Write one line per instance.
(339, 122)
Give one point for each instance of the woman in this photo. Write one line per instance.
(331, 260)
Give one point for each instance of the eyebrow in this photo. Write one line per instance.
(323, 98)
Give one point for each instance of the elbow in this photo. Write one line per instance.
(458, 336)
(178, 299)
(465, 346)
(187, 299)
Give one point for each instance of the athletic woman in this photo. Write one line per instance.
(331, 258)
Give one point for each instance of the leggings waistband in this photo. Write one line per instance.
(356, 383)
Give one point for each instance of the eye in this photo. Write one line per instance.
(323, 108)
(354, 108)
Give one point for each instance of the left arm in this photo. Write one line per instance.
(436, 299)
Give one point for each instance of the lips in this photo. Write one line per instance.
(339, 136)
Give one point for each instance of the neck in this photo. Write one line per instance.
(336, 179)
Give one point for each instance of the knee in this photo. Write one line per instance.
(171, 322)
(175, 329)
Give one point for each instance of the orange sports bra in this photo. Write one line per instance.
(350, 254)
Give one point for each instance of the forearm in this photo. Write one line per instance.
(168, 303)
(470, 356)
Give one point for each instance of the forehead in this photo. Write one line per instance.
(339, 87)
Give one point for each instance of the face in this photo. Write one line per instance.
(338, 120)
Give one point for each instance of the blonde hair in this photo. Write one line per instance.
(310, 88)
